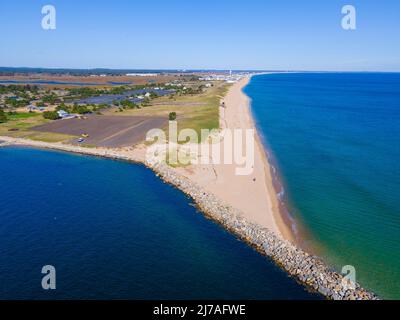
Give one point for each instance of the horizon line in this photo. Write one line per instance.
(199, 69)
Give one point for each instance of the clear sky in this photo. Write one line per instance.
(204, 34)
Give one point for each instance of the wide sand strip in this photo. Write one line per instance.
(254, 194)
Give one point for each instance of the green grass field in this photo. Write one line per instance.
(199, 111)
(18, 126)
(21, 116)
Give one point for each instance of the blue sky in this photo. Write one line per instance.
(217, 34)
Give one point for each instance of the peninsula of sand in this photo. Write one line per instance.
(253, 194)
(245, 205)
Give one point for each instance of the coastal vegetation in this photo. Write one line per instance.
(3, 117)
(196, 109)
(51, 115)
(18, 89)
(126, 104)
(20, 124)
(188, 99)
(172, 116)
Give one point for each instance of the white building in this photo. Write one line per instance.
(142, 74)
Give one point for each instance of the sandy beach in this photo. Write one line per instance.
(253, 194)
(256, 199)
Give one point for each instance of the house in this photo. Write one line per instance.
(62, 113)
(65, 115)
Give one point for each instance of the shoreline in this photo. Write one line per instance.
(271, 237)
(282, 221)
(307, 269)
(291, 229)
(254, 194)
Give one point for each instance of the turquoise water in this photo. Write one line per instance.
(335, 138)
(113, 230)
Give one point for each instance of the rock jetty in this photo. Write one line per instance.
(307, 269)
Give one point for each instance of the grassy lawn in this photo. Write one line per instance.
(22, 115)
(200, 111)
(197, 111)
(49, 137)
(18, 126)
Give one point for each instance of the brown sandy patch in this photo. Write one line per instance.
(106, 131)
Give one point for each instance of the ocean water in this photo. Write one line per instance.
(113, 230)
(335, 139)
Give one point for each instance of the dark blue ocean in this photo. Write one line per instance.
(113, 230)
(335, 139)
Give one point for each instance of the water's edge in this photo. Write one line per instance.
(307, 269)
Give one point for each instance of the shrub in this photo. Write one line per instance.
(3, 117)
(51, 115)
(80, 109)
(172, 116)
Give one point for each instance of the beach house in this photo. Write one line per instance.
(65, 115)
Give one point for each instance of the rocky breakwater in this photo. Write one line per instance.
(305, 268)
(4, 143)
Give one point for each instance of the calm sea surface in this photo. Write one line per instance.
(113, 230)
(336, 142)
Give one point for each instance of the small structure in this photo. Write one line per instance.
(31, 108)
(62, 113)
(65, 115)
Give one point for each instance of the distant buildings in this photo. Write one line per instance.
(229, 78)
(142, 74)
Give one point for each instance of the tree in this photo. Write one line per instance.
(153, 95)
(80, 109)
(3, 117)
(51, 115)
(172, 116)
